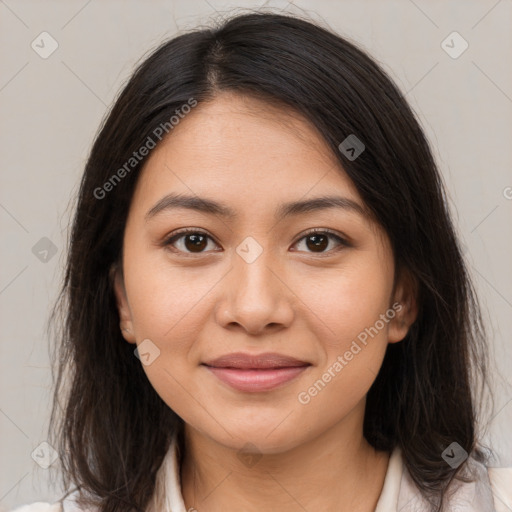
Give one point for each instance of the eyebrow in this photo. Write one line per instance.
(211, 207)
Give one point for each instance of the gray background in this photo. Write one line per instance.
(50, 110)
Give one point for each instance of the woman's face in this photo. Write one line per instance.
(256, 281)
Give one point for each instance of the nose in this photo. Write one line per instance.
(255, 297)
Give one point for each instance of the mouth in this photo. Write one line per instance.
(256, 373)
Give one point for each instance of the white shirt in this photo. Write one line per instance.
(491, 492)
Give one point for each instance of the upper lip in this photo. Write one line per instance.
(250, 361)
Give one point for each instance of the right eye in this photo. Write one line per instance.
(193, 241)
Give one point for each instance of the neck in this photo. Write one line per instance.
(335, 471)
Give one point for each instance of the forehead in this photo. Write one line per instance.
(246, 152)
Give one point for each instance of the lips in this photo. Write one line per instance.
(244, 361)
(256, 373)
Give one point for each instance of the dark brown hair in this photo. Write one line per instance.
(113, 429)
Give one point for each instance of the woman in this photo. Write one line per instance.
(266, 304)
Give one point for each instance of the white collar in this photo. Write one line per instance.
(388, 499)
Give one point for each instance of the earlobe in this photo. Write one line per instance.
(405, 304)
(123, 308)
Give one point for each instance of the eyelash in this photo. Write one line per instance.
(182, 232)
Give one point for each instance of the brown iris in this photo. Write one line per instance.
(319, 242)
(198, 242)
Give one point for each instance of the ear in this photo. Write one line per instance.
(125, 314)
(405, 304)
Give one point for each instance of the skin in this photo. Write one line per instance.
(293, 300)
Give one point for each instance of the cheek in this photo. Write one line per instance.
(346, 302)
(353, 345)
(170, 307)
(166, 301)
(347, 306)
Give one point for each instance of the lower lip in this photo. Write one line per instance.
(256, 380)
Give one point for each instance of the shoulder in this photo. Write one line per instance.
(501, 484)
(39, 507)
(490, 488)
(486, 489)
(68, 504)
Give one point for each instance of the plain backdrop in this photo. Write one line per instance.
(51, 107)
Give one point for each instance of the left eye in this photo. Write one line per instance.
(318, 240)
(195, 242)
